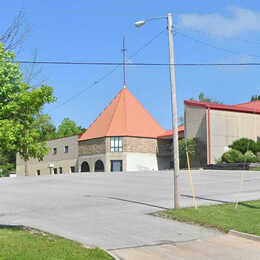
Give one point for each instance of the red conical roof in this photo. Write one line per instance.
(124, 116)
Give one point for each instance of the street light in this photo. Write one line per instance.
(174, 105)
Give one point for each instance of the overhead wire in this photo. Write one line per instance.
(214, 46)
(106, 75)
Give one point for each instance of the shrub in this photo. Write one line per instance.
(191, 146)
(233, 156)
(244, 144)
(250, 156)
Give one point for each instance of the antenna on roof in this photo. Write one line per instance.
(124, 72)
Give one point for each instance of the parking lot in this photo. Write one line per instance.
(111, 210)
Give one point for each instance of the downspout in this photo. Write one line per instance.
(209, 139)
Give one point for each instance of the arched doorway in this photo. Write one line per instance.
(85, 167)
(99, 166)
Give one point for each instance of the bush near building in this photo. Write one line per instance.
(242, 150)
(192, 146)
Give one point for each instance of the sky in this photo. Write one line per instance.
(92, 31)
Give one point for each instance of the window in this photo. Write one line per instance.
(38, 172)
(116, 144)
(60, 170)
(66, 149)
(72, 169)
(55, 170)
(54, 151)
(116, 165)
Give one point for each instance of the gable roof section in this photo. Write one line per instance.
(124, 116)
(250, 107)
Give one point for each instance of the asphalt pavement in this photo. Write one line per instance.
(111, 211)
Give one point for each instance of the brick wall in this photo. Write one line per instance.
(139, 145)
(92, 146)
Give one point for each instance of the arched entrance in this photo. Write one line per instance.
(99, 166)
(84, 167)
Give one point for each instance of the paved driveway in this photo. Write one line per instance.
(110, 210)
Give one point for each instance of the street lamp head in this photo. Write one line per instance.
(140, 23)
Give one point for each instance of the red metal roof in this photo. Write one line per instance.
(250, 107)
(124, 116)
(169, 133)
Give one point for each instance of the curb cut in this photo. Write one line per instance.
(113, 255)
(244, 235)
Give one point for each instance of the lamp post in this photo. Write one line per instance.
(174, 105)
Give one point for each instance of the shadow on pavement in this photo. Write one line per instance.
(138, 202)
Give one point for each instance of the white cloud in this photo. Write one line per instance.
(239, 21)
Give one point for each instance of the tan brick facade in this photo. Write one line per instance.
(61, 159)
(130, 144)
(93, 146)
(140, 145)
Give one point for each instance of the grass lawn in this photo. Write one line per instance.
(254, 169)
(246, 218)
(29, 244)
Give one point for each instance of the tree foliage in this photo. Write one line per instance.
(191, 146)
(47, 129)
(233, 156)
(68, 128)
(250, 157)
(19, 107)
(244, 144)
(255, 97)
(203, 98)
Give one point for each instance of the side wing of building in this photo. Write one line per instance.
(62, 158)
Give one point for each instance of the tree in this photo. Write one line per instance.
(19, 108)
(47, 129)
(14, 36)
(255, 98)
(68, 128)
(203, 98)
(244, 144)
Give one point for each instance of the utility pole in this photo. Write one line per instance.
(174, 115)
(174, 106)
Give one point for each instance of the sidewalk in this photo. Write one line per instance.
(221, 247)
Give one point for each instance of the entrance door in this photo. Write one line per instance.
(116, 165)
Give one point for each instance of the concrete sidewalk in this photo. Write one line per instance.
(220, 247)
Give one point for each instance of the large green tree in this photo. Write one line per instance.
(68, 128)
(19, 108)
(47, 129)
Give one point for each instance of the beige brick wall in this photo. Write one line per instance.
(140, 145)
(60, 158)
(92, 146)
(44, 169)
(130, 144)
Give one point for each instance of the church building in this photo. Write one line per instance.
(124, 137)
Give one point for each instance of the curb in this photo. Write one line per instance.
(113, 255)
(244, 235)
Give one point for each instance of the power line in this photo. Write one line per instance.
(105, 75)
(214, 46)
(144, 64)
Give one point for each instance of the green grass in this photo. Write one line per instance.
(254, 169)
(30, 244)
(246, 218)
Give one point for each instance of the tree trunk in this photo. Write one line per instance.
(26, 168)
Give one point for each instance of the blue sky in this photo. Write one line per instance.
(93, 30)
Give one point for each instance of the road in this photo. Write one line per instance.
(111, 211)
